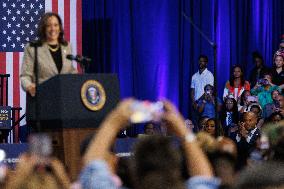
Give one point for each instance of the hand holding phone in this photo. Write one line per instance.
(40, 145)
(252, 99)
(145, 111)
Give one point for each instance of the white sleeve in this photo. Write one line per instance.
(210, 79)
(192, 82)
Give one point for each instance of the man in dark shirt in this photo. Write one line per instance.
(246, 137)
(259, 70)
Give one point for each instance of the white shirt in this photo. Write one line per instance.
(199, 81)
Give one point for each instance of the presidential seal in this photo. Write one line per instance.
(93, 95)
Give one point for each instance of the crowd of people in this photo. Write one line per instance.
(234, 142)
(249, 158)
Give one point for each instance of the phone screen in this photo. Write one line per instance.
(40, 144)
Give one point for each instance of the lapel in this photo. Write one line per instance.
(255, 136)
(49, 58)
(64, 52)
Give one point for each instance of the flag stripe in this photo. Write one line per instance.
(55, 6)
(2, 63)
(61, 7)
(48, 6)
(73, 29)
(22, 94)
(3, 70)
(10, 70)
(16, 81)
(67, 19)
(16, 90)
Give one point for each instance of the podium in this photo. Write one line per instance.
(65, 118)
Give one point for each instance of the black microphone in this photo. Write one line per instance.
(35, 43)
(78, 58)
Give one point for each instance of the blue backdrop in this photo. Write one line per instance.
(154, 49)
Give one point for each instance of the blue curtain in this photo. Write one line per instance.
(154, 50)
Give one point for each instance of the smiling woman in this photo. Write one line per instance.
(52, 49)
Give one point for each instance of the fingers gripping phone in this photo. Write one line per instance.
(40, 145)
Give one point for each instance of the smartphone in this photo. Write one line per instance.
(252, 99)
(40, 145)
(145, 111)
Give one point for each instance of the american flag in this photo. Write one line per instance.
(18, 25)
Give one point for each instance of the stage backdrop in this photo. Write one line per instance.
(154, 49)
(18, 25)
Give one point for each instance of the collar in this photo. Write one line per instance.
(205, 70)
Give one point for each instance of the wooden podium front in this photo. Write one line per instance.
(65, 118)
(66, 146)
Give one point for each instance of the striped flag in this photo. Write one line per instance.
(18, 24)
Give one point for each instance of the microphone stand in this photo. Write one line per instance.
(36, 70)
(84, 64)
(214, 46)
(83, 67)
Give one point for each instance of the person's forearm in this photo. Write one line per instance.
(197, 162)
(281, 87)
(99, 147)
(201, 107)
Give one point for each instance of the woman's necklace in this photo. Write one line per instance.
(53, 48)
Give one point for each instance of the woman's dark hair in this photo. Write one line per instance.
(235, 113)
(232, 75)
(43, 25)
(273, 115)
(257, 107)
(255, 55)
(212, 88)
(218, 127)
(242, 102)
(274, 65)
(273, 92)
(235, 104)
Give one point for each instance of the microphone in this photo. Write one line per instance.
(78, 58)
(35, 43)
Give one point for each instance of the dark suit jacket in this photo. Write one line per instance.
(46, 65)
(245, 148)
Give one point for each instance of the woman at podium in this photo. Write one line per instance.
(52, 49)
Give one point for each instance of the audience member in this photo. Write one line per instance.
(263, 89)
(258, 71)
(246, 137)
(237, 84)
(261, 176)
(255, 108)
(33, 172)
(206, 103)
(275, 117)
(214, 128)
(271, 107)
(244, 101)
(202, 123)
(199, 80)
(230, 115)
(278, 67)
(280, 109)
